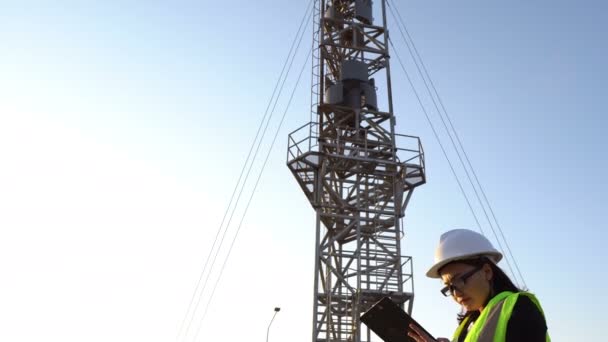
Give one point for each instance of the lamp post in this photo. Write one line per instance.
(276, 310)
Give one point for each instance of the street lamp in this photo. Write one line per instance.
(276, 310)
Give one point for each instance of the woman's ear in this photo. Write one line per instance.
(488, 273)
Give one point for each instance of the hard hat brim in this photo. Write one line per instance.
(433, 272)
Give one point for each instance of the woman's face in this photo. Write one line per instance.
(469, 285)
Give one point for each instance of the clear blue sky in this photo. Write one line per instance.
(124, 124)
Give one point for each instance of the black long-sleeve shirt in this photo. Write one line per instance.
(526, 324)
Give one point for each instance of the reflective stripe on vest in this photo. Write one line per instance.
(491, 326)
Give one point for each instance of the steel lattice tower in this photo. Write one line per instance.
(349, 166)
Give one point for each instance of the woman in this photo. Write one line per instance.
(493, 308)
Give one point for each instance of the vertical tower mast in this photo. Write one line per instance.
(350, 167)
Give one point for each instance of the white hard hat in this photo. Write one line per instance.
(460, 244)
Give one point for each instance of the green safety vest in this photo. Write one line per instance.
(491, 326)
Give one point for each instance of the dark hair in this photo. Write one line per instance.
(500, 282)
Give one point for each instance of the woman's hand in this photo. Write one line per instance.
(420, 336)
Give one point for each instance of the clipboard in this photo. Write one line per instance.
(387, 320)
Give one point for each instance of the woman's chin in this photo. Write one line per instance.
(468, 305)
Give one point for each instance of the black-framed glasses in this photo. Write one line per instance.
(459, 282)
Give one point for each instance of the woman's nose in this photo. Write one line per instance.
(456, 292)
